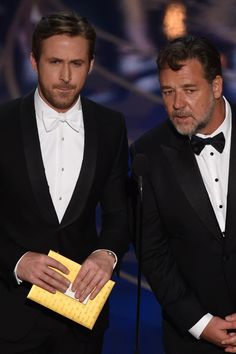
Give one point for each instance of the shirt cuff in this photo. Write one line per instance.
(111, 253)
(18, 280)
(199, 327)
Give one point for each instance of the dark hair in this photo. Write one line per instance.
(63, 22)
(191, 47)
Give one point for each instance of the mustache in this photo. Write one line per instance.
(181, 113)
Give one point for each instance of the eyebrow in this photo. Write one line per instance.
(61, 59)
(164, 87)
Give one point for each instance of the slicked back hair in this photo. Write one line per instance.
(64, 22)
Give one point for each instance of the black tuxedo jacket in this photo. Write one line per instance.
(28, 220)
(189, 265)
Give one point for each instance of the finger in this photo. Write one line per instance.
(56, 279)
(99, 286)
(85, 287)
(92, 289)
(229, 325)
(45, 286)
(229, 341)
(53, 283)
(231, 317)
(230, 349)
(82, 278)
(57, 265)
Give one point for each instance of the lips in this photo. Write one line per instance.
(64, 88)
(181, 115)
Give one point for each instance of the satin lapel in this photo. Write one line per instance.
(231, 200)
(83, 185)
(188, 175)
(34, 160)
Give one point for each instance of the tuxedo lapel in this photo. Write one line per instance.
(84, 182)
(34, 160)
(184, 164)
(231, 200)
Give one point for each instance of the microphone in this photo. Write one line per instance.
(139, 170)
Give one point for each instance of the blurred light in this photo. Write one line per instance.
(174, 20)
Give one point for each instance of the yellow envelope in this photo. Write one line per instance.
(84, 314)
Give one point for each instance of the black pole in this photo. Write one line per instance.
(139, 170)
(139, 258)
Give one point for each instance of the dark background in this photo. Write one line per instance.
(130, 34)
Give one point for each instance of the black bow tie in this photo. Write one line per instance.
(197, 143)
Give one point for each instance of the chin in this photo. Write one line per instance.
(185, 130)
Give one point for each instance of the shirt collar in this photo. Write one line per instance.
(225, 126)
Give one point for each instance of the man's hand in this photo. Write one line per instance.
(230, 343)
(94, 273)
(36, 269)
(216, 331)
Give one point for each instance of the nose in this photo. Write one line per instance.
(65, 74)
(179, 101)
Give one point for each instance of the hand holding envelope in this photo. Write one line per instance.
(66, 304)
(95, 271)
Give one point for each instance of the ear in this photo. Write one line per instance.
(91, 65)
(33, 62)
(217, 86)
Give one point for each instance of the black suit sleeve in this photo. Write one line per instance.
(179, 304)
(114, 231)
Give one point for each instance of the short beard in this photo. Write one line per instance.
(192, 129)
(195, 126)
(58, 103)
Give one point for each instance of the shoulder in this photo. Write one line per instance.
(9, 114)
(109, 124)
(154, 138)
(233, 107)
(13, 106)
(10, 105)
(99, 110)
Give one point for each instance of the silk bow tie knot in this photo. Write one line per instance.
(198, 144)
(72, 119)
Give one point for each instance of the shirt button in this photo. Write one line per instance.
(62, 169)
(220, 206)
(62, 139)
(212, 153)
(216, 179)
(60, 198)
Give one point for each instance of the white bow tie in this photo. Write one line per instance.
(73, 120)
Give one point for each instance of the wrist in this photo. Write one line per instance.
(110, 253)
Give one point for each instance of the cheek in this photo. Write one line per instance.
(79, 79)
(167, 103)
(201, 108)
(49, 78)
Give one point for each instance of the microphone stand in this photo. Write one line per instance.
(139, 257)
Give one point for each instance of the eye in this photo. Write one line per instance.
(190, 90)
(77, 63)
(55, 61)
(167, 92)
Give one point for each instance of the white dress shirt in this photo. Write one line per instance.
(62, 149)
(214, 168)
